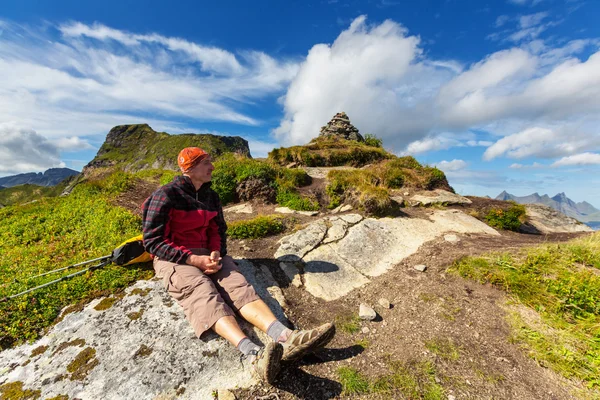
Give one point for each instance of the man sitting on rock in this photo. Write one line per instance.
(184, 229)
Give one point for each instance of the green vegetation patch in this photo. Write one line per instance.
(370, 188)
(510, 219)
(444, 348)
(231, 170)
(25, 193)
(349, 323)
(561, 284)
(412, 380)
(255, 228)
(105, 304)
(83, 363)
(15, 391)
(331, 152)
(53, 233)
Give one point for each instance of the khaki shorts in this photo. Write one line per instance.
(205, 298)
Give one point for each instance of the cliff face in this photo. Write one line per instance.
(138, 147)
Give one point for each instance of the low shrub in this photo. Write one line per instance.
(231, 170)
(288, 197)
(256, 228)
(510, 219)
(373, 141)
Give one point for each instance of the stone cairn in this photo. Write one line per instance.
(340, 126)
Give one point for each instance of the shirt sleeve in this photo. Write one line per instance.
(155, 228)
(221, 226)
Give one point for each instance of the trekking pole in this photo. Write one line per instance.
(70, 266)
(105, 262)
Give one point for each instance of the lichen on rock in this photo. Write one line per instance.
(83, 363)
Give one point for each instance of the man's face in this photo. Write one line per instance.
(202, 171)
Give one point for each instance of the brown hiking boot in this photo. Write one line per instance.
(303, 342)
(265, 362)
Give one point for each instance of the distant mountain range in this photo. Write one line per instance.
(51, 177)
(583, 211)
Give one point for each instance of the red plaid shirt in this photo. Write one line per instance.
(178, 218)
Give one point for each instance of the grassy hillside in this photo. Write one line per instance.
(560, 286)
(53, 233)
(26, 193)
(137, 147)
(331, 152)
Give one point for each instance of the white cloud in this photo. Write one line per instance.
(24, 150)
(543, 142)
(373, 74)
(454, 165)
(501, 20)
(96, 77)
(431, 144)
(578, 159)
(535, 165)
(72, 143)
(93, 77)
(531, 20)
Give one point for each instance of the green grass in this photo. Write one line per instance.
(561, 283)
(349, 323)
(255, 228)
(444, 348)
(411, 380)
(53, 233)
(329, 152)
(373, 141)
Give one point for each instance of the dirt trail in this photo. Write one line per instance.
(426, 307)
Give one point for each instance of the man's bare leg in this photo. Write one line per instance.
(228, 328)
(258, 314)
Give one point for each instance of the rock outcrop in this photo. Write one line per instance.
(330, 253)
(340, 127)
(137, 346)
(546, 219)
(437, 196)
(138, 147)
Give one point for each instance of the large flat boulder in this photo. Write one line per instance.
(344, 254)
(548, 220)
(437, 196)
(140, 347)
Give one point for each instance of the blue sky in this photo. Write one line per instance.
(501, 95)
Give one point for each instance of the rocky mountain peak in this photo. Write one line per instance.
(341, 127)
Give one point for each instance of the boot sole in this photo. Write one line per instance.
(273, 354)
(310, 347)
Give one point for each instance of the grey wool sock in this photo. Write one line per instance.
(277, 331)
(246, 346)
